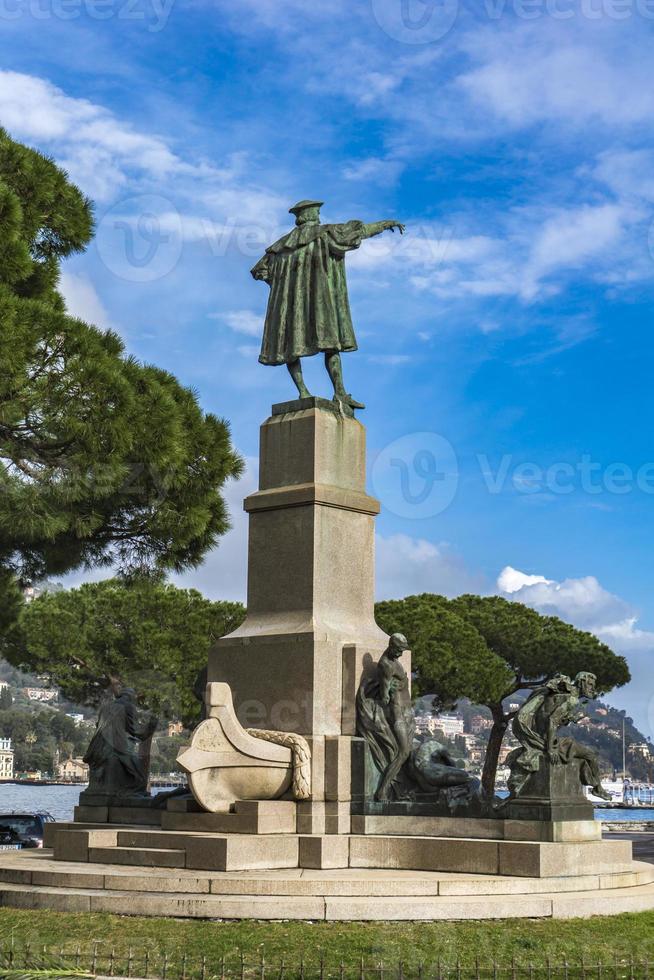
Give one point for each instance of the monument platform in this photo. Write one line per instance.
(34, 879)
(285, 820)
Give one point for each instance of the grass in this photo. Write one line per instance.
(527, 941)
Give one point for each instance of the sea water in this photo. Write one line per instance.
(60, 801)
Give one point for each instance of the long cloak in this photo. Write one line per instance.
(376, 723)
(308, 307)
(112, 755)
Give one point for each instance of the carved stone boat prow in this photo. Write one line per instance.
(225, 762)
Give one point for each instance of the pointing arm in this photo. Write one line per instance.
(376, 228)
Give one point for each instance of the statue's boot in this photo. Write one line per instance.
(347, 401)
(601, 792)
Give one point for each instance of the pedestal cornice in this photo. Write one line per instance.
(311, 493)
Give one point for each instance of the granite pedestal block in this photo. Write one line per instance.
(552, 793)
(310, 632)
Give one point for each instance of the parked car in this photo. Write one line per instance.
(20, 830)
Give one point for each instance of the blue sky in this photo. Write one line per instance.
(505, 339)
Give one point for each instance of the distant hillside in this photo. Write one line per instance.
(601, 729)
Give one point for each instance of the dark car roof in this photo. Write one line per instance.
(27, 813)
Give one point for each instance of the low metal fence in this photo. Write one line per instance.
(100, 961)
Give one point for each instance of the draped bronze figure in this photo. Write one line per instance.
(308, 307)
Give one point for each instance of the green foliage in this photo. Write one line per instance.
(143, 633)
(163, 755)
(38, 737)
(102, 459)
(537, 647)
(55, 973)
(450, 658)
(485, 648)
(6, 699)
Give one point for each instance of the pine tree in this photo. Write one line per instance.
(102, 459)
(487, 649)
(143, 634)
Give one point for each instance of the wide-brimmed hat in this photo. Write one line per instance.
(301, 205)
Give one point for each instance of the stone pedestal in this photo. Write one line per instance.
(552, 793)
(295, 663)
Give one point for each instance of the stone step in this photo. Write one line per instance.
(141, 857)
(248, 817)
(204, 852)
(337, 908)
(153, 839)
(252, 852)
(40, 869)
(533, 859)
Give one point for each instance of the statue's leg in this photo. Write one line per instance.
(404, 746)
(335, 371)
(295, 371)
(590, 772)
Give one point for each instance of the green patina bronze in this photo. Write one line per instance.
(549, 771)
(308, 308)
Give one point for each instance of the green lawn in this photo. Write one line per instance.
(528, 941)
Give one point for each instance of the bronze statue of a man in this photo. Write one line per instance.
(536, 726)
(308, 307)
(385, 718)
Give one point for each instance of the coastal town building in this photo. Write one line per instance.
(6, 759)
(73, 770)
(449, 725)
(40, 694)
(479, 724)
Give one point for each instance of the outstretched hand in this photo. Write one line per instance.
(392, 225)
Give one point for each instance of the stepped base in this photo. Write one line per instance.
(246, 852)
(32, 879)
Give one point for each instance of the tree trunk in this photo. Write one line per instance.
(495, 739)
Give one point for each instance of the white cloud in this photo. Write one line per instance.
(242, 321)
(529, 254)
(626, 635)
(92, 144)
(223, 574)
(375, 169)
(407, 566)
(587, 605)
(104, 155)
(551, 73)
(628, 173)
(582, 601)
(510, 580)
(82, 300)
(569, 239)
